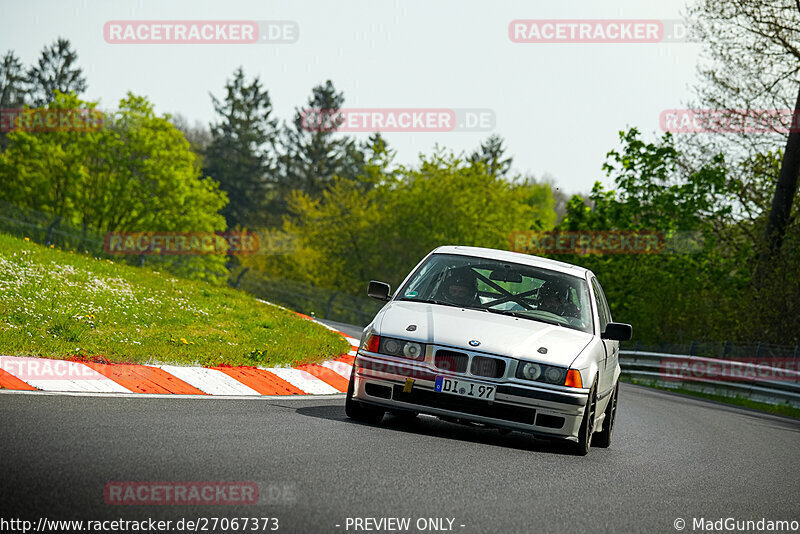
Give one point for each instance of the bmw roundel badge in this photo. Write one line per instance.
(474, 343)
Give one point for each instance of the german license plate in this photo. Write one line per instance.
(464, 388)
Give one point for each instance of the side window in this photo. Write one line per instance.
(602, 305)
(605, 302)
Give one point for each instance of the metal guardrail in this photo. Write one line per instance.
(730, 378)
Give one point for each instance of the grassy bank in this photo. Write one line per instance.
(58, 304)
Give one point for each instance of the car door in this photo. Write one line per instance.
(610, 347)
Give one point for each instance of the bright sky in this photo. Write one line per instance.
(559, 106)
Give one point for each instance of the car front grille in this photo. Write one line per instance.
(488, 367)
(449, 360)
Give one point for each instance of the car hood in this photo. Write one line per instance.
(501, 335)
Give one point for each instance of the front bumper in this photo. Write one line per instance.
(380, 381)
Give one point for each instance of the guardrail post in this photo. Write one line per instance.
(330, 305)
(238, 281)
(49, 238)
(726, 349)
(692, 348)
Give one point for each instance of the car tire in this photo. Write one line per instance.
(603, 438)
(581, 448)
(358, 411)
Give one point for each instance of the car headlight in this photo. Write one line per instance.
(529, 371)
(401, 348)
(541, 373)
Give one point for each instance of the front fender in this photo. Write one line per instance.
(589, 375)
(588, 362)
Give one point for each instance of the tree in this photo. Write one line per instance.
(752, 61)
(56, 70)
(542, 202)
(785, 188)
(198, 135)
(350, 235)
(560, 197)
(313, 153)
(12, 88)
(240, 156)
(12, 81)
(539, 196)
(704, 293)
(135, 174)
(491, 154)
(44, 171)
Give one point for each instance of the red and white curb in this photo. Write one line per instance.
(62, 376)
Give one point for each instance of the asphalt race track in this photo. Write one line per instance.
(672, 457)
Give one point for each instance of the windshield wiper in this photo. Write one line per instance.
(427, 301)
(442, 303)
(524, 316)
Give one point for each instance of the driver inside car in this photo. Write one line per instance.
(553, 298)
(460, 287)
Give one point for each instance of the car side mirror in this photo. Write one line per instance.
(617, 332)
(379, 290)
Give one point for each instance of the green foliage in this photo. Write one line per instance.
(353, 233)
(491, 153)
(313, 154)
(55, 72)
(136, 173)
(12, 81)
(669, 297)
(651, 192)
(356, 216)
(12, 87)
(541, 200)
(240, 154)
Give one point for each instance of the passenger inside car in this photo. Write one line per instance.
(554, 298)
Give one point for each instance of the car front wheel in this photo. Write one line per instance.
(581, 448)
(603, 439)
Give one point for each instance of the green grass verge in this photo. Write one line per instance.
(777, 409)
(58, 304)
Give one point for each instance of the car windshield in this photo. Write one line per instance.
(502, 287)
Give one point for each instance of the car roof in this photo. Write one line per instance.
(515, 257)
